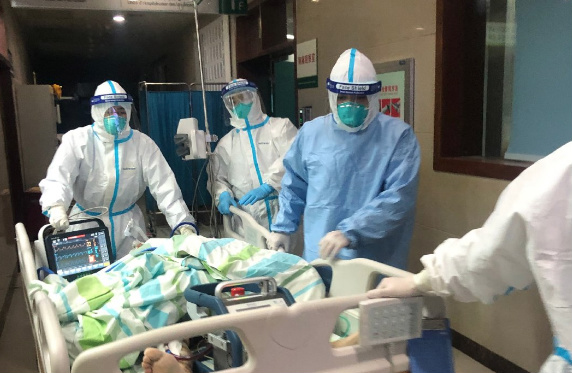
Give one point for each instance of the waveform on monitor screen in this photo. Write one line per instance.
(75, 245)
(77, 254)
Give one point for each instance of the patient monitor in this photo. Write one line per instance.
(80, 252)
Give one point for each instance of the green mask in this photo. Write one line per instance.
(241, 110)
(351, 114)
(114, 124)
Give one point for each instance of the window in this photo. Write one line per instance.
(503, 84)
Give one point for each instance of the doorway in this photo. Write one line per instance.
(284, 89)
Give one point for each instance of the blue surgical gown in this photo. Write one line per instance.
(363, 184)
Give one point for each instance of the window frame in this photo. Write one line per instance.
(459, 88)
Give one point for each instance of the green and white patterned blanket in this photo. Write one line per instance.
(144, 290)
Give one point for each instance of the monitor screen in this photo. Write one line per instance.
(84, 252)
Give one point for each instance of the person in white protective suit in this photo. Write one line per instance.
(353, 174)
(526, 239)
(108, 165)
(247, 164)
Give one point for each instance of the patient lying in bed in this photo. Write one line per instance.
(157, 361)
(144, 290)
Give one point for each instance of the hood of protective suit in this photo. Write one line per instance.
(255, 115)
(353, 67)
(98, 110)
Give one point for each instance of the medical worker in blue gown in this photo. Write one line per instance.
(353, 174)
(106, 167)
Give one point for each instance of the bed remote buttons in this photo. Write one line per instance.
(390, 320)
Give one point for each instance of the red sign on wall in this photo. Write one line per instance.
(391, 107)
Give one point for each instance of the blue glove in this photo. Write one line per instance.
(224, 202)
(256, 195)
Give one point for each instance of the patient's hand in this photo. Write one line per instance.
(350, 340)
(157, 361)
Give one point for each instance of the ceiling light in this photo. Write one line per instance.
(289, 36)
(119, 18)
(419, 28)
(315, 1)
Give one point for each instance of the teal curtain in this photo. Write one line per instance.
(160, 113)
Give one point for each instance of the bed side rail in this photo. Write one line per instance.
(51, 348)
(278, 340)
(254, 233)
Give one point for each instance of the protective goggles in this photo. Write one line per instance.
(111, 98)
(353, 88)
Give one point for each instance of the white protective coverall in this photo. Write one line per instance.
(527, 238)
(251, 155)
(98, 169)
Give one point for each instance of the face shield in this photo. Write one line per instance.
(239, 103)
(241, 99)
(115, 120)
(113, 111)
(353, 104)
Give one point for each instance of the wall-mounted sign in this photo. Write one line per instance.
(233, 7)
(307, 64)
(185, 6)
(158, 5)
(397, 80)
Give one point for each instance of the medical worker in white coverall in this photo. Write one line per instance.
(247, 165)
(526, 239)
(108, 165)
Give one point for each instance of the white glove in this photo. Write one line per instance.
(278, 242)
(332, 243)
(395, 287)
(59, 218)
(187, 230)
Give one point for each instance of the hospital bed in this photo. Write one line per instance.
(251, 231)
(292, 339)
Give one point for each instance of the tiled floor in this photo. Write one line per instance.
(7, 265)
(17, 351)
(464, 364)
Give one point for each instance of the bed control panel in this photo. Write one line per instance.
(390, 320)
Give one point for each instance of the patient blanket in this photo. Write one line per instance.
(144, 290)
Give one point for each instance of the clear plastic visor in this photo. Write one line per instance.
(354, 99)
(115, 111)
(232, 100)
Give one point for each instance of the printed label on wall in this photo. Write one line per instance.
(307, 64)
